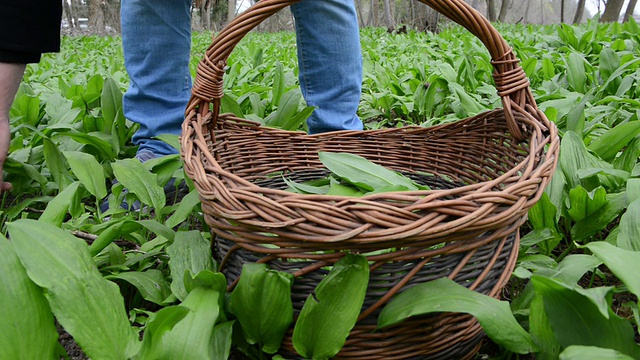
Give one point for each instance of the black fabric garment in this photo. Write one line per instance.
(29, 28)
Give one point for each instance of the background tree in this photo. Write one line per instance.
(630, 9)
(612, 11)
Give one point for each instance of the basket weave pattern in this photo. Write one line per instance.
(485, 172)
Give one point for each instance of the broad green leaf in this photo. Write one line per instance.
(229, 104)
(27, 329)
(158, 228)
(633, 190)
(150, 283)
(613, 140)
(576, 320)
(445, 295)
(95, 140)
(306, 188)
(87, 169)
(185, 209)
(541, 331)
(138, 180)
(189, 251)
(278, 84)
(580, 352)
(619, 261)
(191, 337)
(58, 207)
(576, 73)
(328, 316)
(262, 303)
(629, 229)
(609, 62)
(629, 157)
(159, 323)
(56, 164)
(221, 340)
(362, 172)
(60, 110)
(576, 117)
(89, 307)
(600, 219)
(585, 203)
(111, 101)
(105, 238)
(342, 190)
(285, 115)
(542, 214)
(572, 268)
(575, 156)
(171, 139)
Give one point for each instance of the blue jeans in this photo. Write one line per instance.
(156, 38)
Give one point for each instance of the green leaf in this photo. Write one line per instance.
(278, 84)
(362, 172)
(585, 203)
(308, 188)
(189, 251)
(170, 139)
(187, 204)
(95, 140)
(192, 336)
(27, 329)
(159, 323)
(445, 295)
(580, 352)
(619, 261)
(285, 115)
(576, 320)
(158, 228)
(138, 180)
(343, 190)
(541, 331)
(575, 156)
(151, 284)
(629, 235)
(89, 307)
(56, 165)
(111, 101)
(262, 303)
(58, 207)
(105, 238)
(327, 318)
(576, 74)
(600, 219)
(87, 169)
(614, 140)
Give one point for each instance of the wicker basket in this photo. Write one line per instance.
(486, 172)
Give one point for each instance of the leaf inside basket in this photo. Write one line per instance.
(353, 175)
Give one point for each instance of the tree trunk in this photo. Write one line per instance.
(205, 14)
(630, 9)
(232, 11)
(503, 10)
(491, 10)
(526, 12)
(359, 8)
(96, 16)
(387, 14)
(612, 11)
(579, 12)
(68, 13)
(562, 11)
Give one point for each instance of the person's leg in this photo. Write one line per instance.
(10, 76)
(330, 61)
(156, 39)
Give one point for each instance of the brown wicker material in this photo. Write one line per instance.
(485, 172)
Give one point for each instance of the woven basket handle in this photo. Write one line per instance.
(510, 80)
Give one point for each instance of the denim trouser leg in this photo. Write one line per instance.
(330, 61)
(156, 38)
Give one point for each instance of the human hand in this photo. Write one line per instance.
(5, 139)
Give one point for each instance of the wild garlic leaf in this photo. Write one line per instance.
(363, 173)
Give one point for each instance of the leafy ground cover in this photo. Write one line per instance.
(573, 295)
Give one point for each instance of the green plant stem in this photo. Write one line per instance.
(566, 252)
